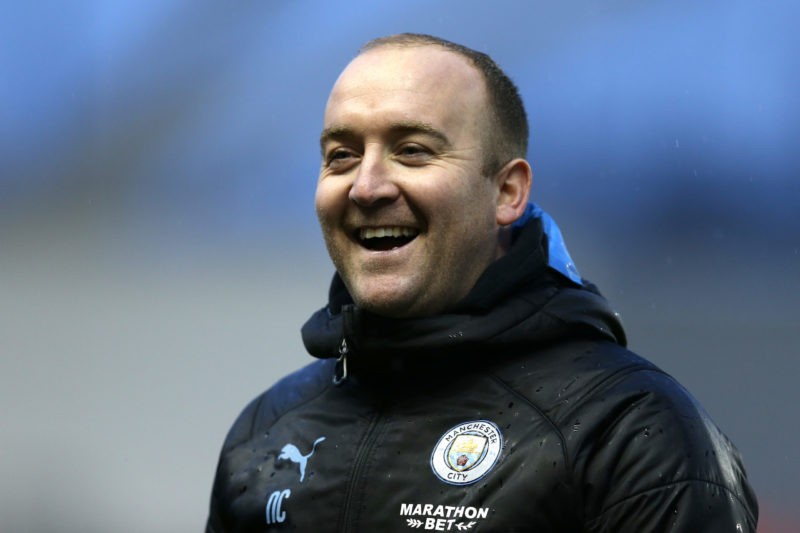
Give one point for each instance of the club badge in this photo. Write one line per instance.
(467, 452)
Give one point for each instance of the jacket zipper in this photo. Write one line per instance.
(340, 372)
(362, 453)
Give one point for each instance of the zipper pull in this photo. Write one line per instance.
(340, 373)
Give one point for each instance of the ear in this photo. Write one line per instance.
(514, 186)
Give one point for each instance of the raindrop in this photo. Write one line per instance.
(570, 384)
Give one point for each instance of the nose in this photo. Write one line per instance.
(373, 183)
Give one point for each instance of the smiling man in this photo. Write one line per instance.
(409, 216)
(468, 378)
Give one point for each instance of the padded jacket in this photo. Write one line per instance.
(519, 410)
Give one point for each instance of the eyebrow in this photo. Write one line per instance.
(334, 133)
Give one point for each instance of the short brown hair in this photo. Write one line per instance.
(507, 138)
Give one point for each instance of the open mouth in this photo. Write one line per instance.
(385, 238)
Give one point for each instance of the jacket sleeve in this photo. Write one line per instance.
(241, 430)
(658, 463)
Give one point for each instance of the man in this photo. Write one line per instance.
(468, 379)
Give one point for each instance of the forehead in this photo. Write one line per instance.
(414, 83)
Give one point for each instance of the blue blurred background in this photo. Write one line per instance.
(159, 249)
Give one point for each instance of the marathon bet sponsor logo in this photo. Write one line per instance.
(442, 517)
(467, 452)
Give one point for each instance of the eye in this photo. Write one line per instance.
(340, 159)
(413, 153)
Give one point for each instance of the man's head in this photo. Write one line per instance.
(411, 202)
(505, 136)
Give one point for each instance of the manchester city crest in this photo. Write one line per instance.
(467, 452)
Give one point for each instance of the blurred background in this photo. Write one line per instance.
(159, 249)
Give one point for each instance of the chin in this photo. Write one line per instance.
(392, 309)
(392, 305)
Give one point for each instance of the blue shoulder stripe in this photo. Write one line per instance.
(558, 256)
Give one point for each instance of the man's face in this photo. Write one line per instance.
(408, 219)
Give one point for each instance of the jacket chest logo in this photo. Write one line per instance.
(467, 452)
(274, 513)
(292, 453)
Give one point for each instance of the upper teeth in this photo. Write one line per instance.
(391, 231)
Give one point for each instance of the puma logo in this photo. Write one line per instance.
(291, 453)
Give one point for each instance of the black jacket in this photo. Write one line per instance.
(520, 410)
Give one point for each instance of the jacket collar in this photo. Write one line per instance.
(520, 301)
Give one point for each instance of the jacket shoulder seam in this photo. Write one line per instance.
(673, 484)
(283, 412)
(260, 407)
(615, 377)
(541, 412)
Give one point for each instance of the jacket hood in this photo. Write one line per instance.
(521, 300)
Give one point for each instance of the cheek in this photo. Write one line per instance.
(477, 203)
(327, 202)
